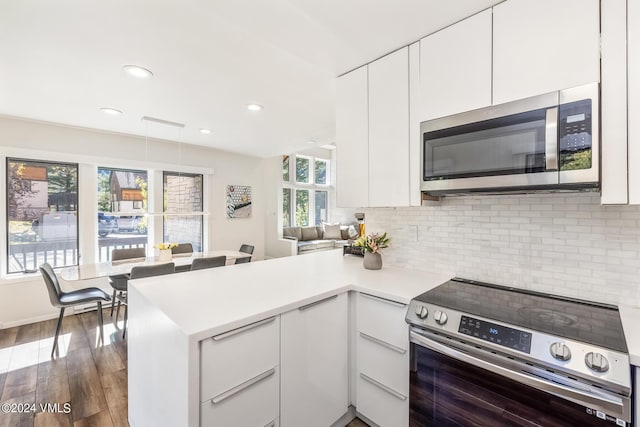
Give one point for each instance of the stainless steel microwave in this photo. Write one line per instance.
(544, 142)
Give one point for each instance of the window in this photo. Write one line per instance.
(321, 172)
(306, 201)
(183, 194)
(286, 207)
(302, 207)
(320, 207)
(42, 211)
(122, 208)
(285, 168)
(302, 170)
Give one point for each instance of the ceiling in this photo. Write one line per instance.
(61, 62)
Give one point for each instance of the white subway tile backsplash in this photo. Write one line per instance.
(562, 243)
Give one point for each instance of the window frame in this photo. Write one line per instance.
(5, 267)
(200, 213)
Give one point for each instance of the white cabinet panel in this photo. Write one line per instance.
(544, 45)
(381, 404)
(232, 358)
(455, 68)
(314, 364)
(614, 102)
(633, 92)
(382, 319)
(352, 139)
(251, 404)
(389, 130)
(415, 139)
(387, 363)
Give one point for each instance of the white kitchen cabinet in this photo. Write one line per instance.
(352, 139)
(544, 45)
(238, 370)
(389, 130)
(314, 363)
(455, 67)
(382, 361)
(633, 93)
(613, 94)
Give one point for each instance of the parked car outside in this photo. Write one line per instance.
(106, 224)
(132, 223)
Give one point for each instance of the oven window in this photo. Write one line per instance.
(447, 392)
(507, 145)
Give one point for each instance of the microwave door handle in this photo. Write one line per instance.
(551, 140)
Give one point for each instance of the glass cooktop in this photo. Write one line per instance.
(579, 320)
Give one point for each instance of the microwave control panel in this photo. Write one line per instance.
(575, 126)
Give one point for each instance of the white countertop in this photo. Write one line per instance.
(207, 302)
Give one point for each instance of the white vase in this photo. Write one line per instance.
(164, 255)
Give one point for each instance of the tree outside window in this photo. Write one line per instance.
(302, 170)
(302, 208)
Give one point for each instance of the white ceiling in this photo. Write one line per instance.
(60, 61)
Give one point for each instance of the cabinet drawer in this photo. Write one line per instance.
(381, 404)
(234, 357)
(386, 363)
(254, 403)
(382, 319)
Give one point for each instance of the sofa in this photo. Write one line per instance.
(319, 238)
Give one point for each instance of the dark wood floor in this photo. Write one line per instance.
(91, 378)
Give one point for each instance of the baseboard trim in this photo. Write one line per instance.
(6, 325)
(349, 416)
(365, 419)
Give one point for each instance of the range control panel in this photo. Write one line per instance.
(498, 334)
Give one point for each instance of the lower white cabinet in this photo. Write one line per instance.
(382, 361)
(314, 363)
(240, 376)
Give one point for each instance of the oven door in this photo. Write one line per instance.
(450, 387)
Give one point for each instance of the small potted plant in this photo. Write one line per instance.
(164, 250)
(372, 246)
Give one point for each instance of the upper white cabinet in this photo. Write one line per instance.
(314, 379)
(633, 93)
(455, 68)
(389, 130)
(352, 139)
(372, 134)
(544, 45)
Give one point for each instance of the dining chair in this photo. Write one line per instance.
(62, 300)
(247, 249)
(119, 282)
(140, 272)
(182, 248)
(243, 260)
(210, 262)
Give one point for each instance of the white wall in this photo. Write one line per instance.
(566, 244)
(24, 299)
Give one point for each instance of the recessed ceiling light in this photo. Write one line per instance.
(311, 141)
(111, 111)
(137, 71)
(328, 147)
(254, 107)
(205, 131)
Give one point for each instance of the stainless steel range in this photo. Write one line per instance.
(484, 354)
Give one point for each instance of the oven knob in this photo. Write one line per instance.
(560, 351)
(596, 362)
(421, 311)
(440, 317)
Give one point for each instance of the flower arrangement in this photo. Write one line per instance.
(373, 243)
(164, 246)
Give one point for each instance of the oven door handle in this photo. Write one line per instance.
(609, 404)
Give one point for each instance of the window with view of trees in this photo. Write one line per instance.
(122, 208)
(183, 207)
(305, 201)
(42, 211)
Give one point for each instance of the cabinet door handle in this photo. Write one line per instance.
(245, 385)
(383, 387)
(243, 329)
(383, 343)
(388, 301)
(313, 304)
